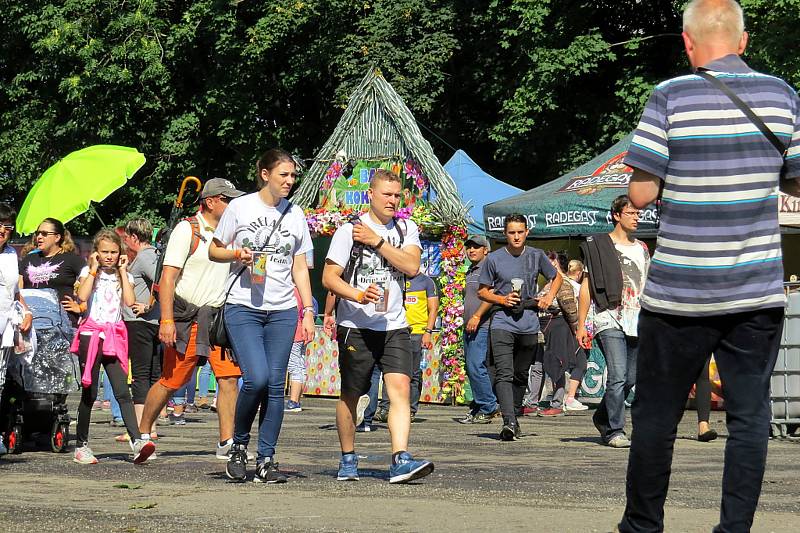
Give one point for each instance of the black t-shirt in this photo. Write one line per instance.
(59, 272)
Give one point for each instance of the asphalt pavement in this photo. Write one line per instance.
(557, 478)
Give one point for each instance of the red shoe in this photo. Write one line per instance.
(530, 411)
(551, 411)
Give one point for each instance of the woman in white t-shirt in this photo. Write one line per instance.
(261, 311)
(14, 314)
(105, 286)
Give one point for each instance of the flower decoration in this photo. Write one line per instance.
(413, 172)
(453, 282)
(325, 221)
(333, 173)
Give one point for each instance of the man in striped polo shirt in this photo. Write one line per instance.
(715, 281)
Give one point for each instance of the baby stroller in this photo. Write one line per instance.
(35, 395)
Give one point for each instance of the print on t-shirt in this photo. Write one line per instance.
(634, 260)
(42, 274)
(279, 247)
(374, 268)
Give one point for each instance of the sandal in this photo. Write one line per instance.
(707, 436)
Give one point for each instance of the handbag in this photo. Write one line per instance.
(218, 336)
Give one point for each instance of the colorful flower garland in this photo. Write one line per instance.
(453, 282)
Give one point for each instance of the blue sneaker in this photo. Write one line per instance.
(407, 469)
(292, 407)
(3, 449)
(348, 468)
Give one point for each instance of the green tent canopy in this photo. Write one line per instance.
(576, 204)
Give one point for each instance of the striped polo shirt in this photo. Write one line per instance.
(719, 244)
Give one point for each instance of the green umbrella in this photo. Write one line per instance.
(66, 189)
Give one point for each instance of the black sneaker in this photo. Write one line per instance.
(381, 416)
(236, 469)
(267, 472)
(510, 431)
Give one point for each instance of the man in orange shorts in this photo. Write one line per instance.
(191, 290)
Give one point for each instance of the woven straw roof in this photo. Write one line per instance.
(377, 125)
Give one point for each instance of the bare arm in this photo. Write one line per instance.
(303, 283)
(128, 296)
(166, 299)
(474, 321)
(220, 254)
(487, 294)
(790, 186)
(405, 260)
(584, 300)
(643, 188)
(433, 310)
(548, 298)
(332, 280)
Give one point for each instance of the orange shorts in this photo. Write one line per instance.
(177, 368)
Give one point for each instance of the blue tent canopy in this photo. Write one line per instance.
(476, 187)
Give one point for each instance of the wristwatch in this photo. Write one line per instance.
(427, 330)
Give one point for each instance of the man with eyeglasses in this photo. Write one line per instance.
(617, 265)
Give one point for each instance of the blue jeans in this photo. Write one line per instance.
(261, 341)
(108, 395)
(203, 380)
(674, 350)
(476, 348)
(620, 352)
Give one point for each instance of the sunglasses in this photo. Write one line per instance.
(41, 233)
(7, 227)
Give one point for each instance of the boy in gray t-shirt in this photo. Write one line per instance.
(509, 279)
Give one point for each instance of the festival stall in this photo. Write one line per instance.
(377, 130)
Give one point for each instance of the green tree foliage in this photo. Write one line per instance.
(529, 87)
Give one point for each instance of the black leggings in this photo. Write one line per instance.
(702, 395)
(144, 356)
(119, 383)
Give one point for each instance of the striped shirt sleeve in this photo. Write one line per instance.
(792, 164)
(649, 150)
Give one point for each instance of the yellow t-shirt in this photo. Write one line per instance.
(418, 290)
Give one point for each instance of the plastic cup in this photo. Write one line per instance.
(258, 272)
(516, 285)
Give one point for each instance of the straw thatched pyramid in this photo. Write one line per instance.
(377, 125)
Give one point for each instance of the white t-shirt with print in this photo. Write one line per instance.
(634, 260)
(202, 281)
(105, 303)
(249, 222)
(374, 268)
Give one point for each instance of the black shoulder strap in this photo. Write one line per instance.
(744, 108)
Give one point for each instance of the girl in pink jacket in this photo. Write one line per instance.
(105, 286)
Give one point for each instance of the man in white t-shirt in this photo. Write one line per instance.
(366, 267)
(617, 266)
(191, 288)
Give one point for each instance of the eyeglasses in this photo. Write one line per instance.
(40, 233)
(7, 227)
(632, 213)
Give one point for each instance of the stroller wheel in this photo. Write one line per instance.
(14, 439)
(59, 437)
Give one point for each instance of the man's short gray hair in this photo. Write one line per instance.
(703, 19)
(140, 227)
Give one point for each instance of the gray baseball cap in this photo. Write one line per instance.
(478, 239)
(220, 187)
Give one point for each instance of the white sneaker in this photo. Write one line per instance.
(361, 406)
(619, 441)
(574, 405)
(142, 449)
(84, 455)
(224, 451)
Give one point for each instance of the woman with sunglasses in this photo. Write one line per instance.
(53, 264)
